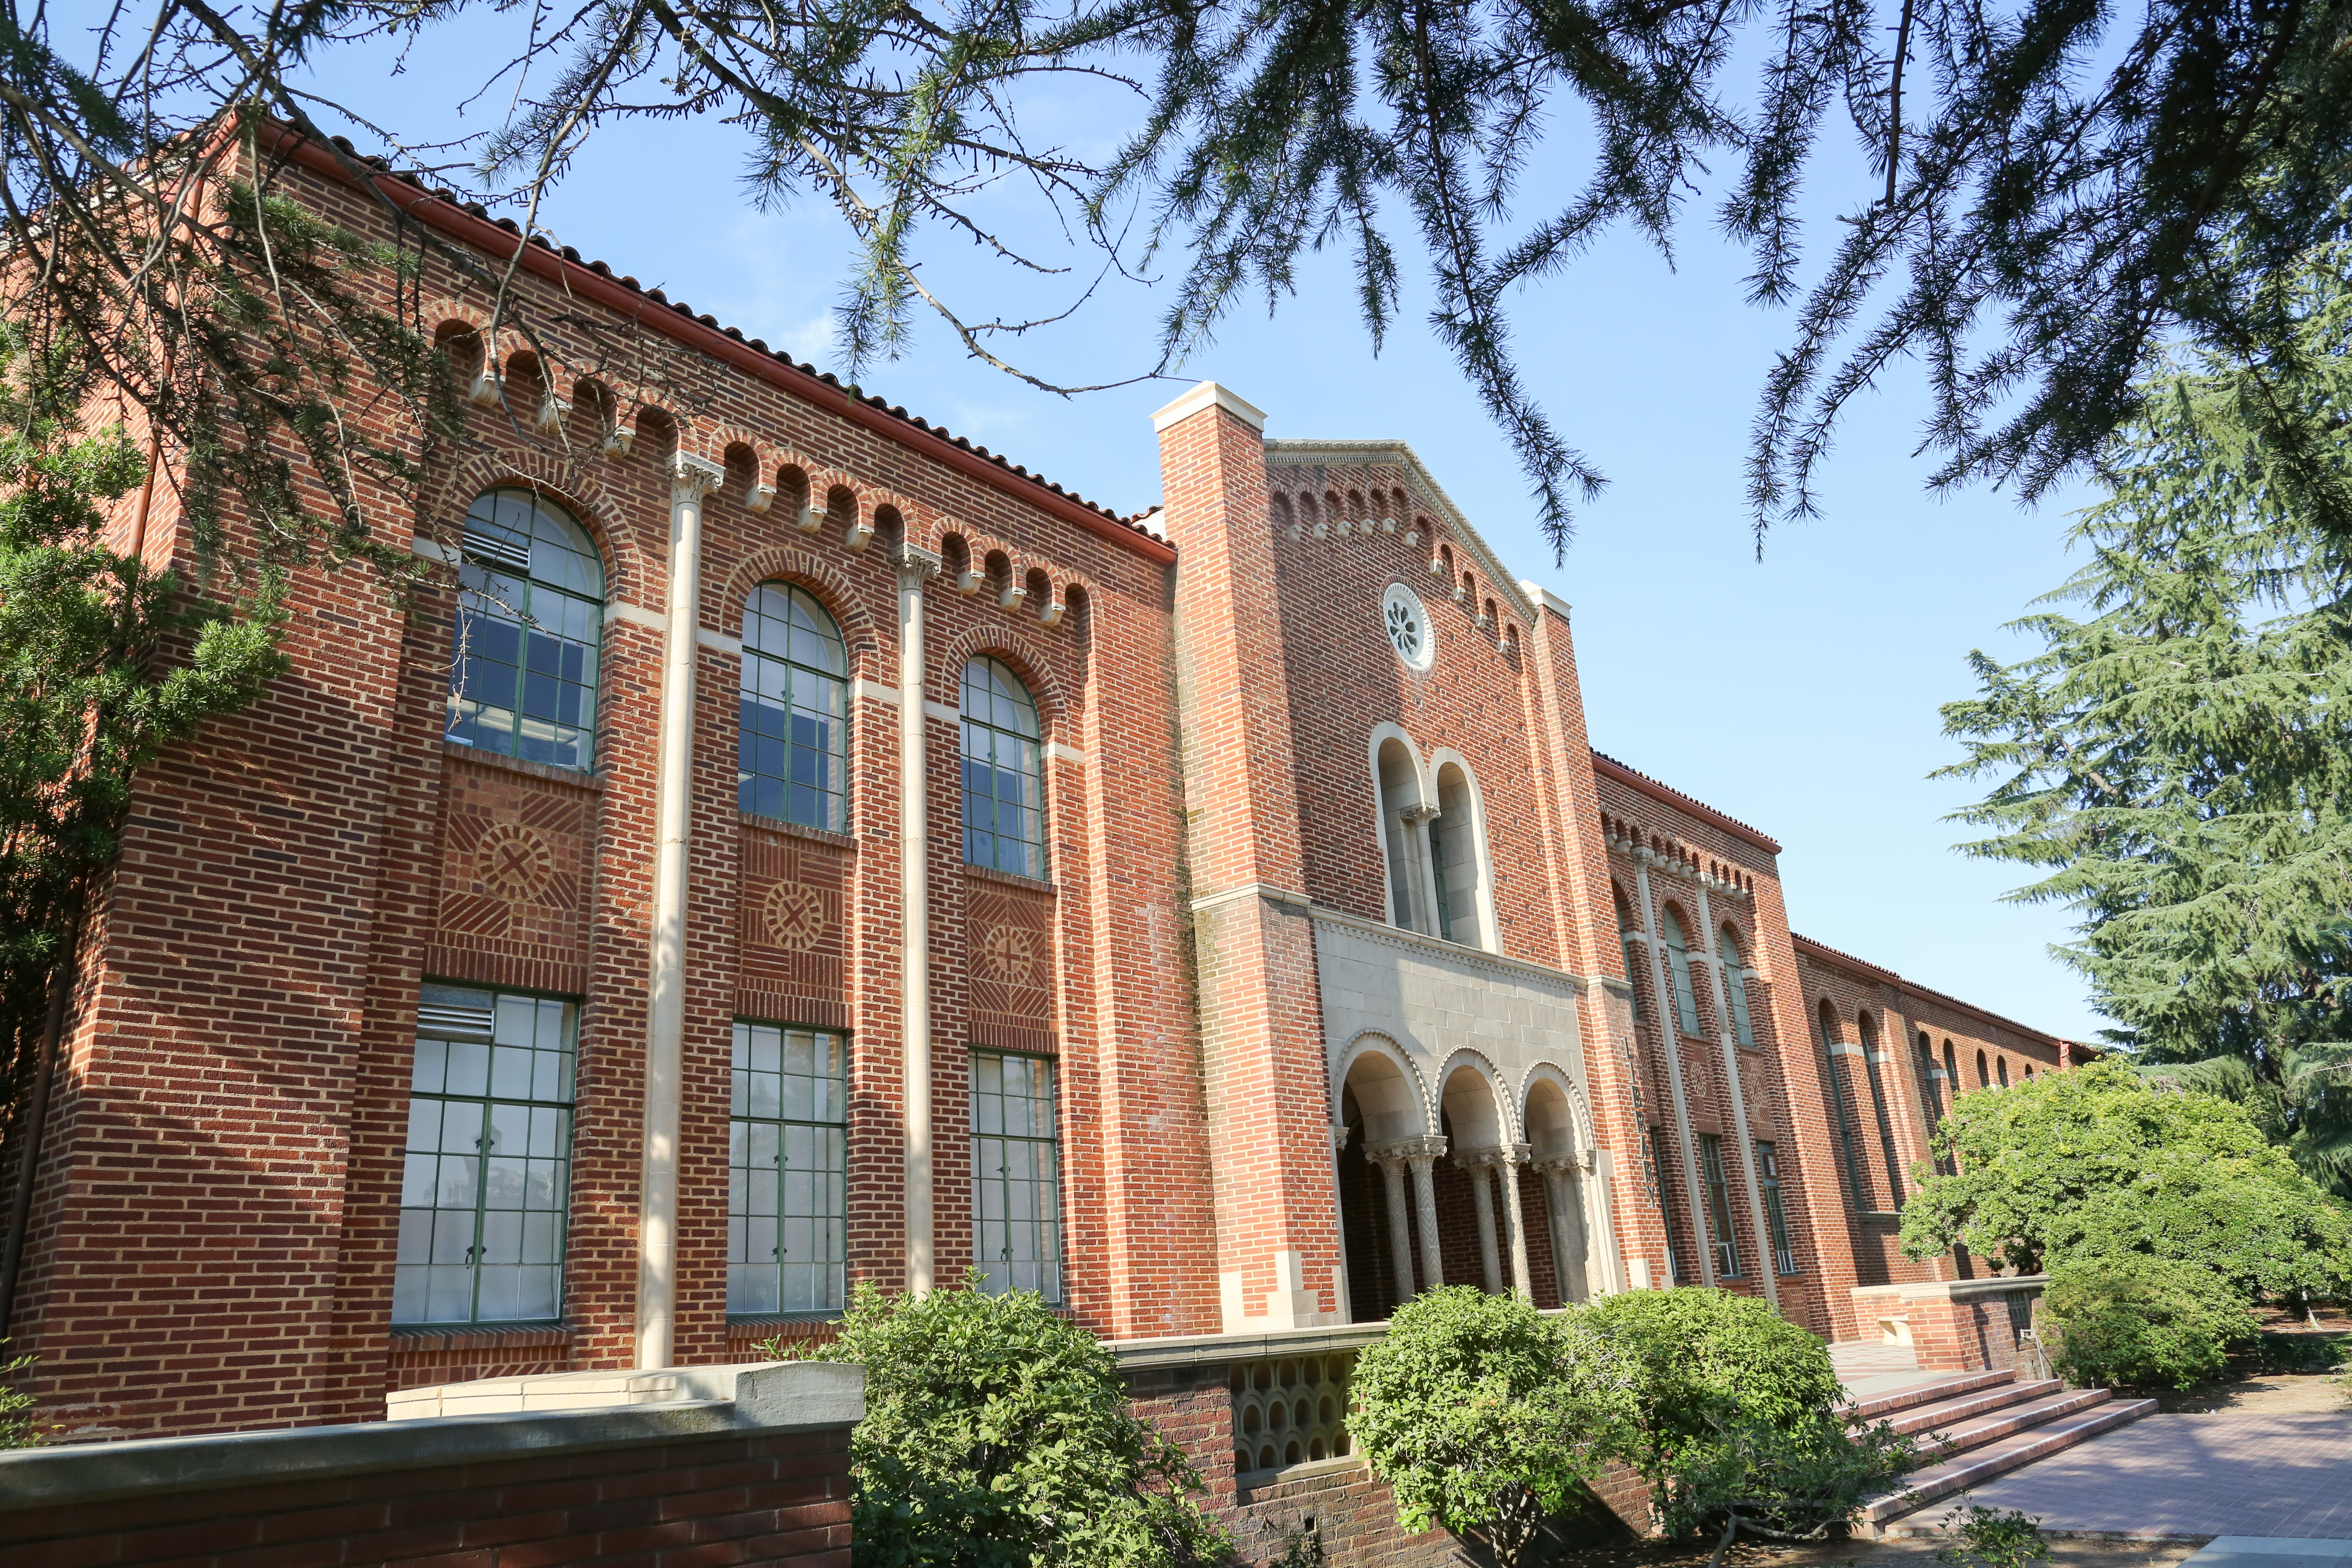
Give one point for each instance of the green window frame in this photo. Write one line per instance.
(1016, 1175)
(1661, 1188)
(787, 1171)
(485, 1171)
(529, 635)
(1679, 965)
(1775, 1213)
(1003, 785)
(1718, 1205)
(1735, 986)
(792, 744)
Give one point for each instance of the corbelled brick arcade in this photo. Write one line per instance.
(789, 846)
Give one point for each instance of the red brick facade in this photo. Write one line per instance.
(1305, 896)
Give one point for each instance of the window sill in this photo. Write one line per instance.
(578, 778)
(1010, 878)
(781, 1319)
(795, 830)
(411, 1339)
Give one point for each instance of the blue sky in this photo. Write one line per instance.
(1798, 694)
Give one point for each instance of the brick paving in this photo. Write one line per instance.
(2195, 1476)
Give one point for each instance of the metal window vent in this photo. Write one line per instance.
(498, 550)
(455, 1023)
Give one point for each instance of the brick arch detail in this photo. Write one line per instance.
(861, 628)
(626, 571)
(1038, 669)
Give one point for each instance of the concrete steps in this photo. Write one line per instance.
(1988, 1424)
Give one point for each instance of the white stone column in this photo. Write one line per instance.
(691, 479)
(1564, 1206)
(1507, 1164)
(1490, 1256)
(1425, 1206)
(1391, 1167)
(1669, 1012)
(1766, 1267)
(915, 913)
(1416, 819)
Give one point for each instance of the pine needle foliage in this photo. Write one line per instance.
(2051, 182)
(2176, 759)
(103, 663)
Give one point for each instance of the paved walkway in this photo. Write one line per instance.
(2270, 1476)
(2271, 1551)
(1869, 1368)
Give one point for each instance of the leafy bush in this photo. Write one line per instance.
(997, 1436)
(19, 1427)
(2096, 1163)
(1485, 1418)
(1736, 1417)
(1991, 1538)
(2142, 1322)
(2298, 1353)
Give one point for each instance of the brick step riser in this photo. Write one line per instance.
(2025, 1420)
(1969, 1409)
(1896, 1505)
(1929, 1394)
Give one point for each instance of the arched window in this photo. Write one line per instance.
(1630, 941)
(792, 742)
(1403, 849)
(1457, 860)
(2000, 1066)
(1984, 1074)
(1842, 1110)
(531, 621)
(1678, 965)
(1003, 791)
(1735, 985)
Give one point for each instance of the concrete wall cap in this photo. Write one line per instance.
(779, 1396)
(1543, 598)
(1951, 1289)
(1208, 393)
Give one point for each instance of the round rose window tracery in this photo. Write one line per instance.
(1408, 627)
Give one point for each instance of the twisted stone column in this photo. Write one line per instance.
(1423, 1157)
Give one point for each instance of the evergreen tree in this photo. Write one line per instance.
(2177, 757)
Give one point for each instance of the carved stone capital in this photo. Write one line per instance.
(692, 477)
(1571, 1164)
(1417, 814)
(1430, 1148)
(921, 564)
(1499, 1155)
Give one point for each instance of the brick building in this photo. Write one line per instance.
(527, 982)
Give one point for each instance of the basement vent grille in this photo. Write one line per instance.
(498, 548)
(454, 1022)
(1290, 1412)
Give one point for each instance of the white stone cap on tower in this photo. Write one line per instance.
(1205, 394)
(1543, 598)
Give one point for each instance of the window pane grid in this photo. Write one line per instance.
(787, 1198)
(1016, 1176)
(526, 683)
(486, 1171)
(1768, 1170)
(792, 747)
(1735, 986)
(1003, 790)
(1718, 1205)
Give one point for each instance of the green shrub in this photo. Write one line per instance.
(2142, 1322)
(1737, 1417)
(2298, 1353)
(19, 1426)
(997, 1436)
(1992, 1538)
(1485, 1418)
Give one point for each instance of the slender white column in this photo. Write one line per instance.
(915, 913)
(691, 479)
(1564, 1206)
(1766, 1267)
(1507, 1165)
(1670, 1031)
(1490, 1257)
(1400, 1227)
(1416, 819)
(1425, 1208)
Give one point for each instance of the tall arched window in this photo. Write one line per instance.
(1678, 966)
(1630, 940)
(791, 740)
(531, 621)
(1457, 860)
(2000, 1066)
(1984, 1073)
(1735, 986)
(1841, 1108)
(1003, 791)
